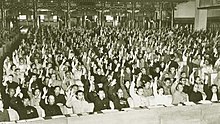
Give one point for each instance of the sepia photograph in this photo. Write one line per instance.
(109, 61)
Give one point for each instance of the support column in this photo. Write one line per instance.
(102, 13)
(68, 22)
(84, 19)
(200, 18)
(35, 14)
(99, 18)
(161, 15)
(2, 14)
(143, 18)
(133, 15)
(172, 16)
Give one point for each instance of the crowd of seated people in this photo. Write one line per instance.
(74, 71)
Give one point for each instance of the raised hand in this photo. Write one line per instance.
(167, 65)
(45, 90)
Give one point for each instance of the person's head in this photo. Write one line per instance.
(21, 60)
(53, 76)
(120, 93)
(195, 87)
(13, 67)
(36, 61)
(36, 92)
(80, 95)
(101, 94)
(46, 80)
(172, 56)
(74, 88)
(167, 81)
(51, 99)
(11, 91)
(34, 77)
(128, 70)
(207, 62)
(10, 78)
(65, 68)
(140, 91)
(26, 101)
(35, 71)
(166, 75)
(115, 61)
(160, 90)
(143, 71)
(17, 71)
(183, 74)
(147, 84)
(172, 70)
(157, 69)
(183, 81)
(57, 90)
(214, 88)
(100, 85)
(49, 65)
(68, 74)
(79, 67)
(198, 80)
(50, 71)
(98, 70)
(33, 66)
(179, 87)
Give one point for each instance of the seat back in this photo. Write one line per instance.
(13, 115)
(40, 111)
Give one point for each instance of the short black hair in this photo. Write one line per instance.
(11, 75)
(159, 87)
(140, 87)
(26, 97)
(101, 89)
(178, 85)
(33, 91)
(214, 85)
(167, 79)
(79, 91)
(56, 87)
(74, 85)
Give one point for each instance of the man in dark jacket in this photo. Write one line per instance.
(51, 109)
(101, 102)
(118, 100)
(195, 96)
(29, 111)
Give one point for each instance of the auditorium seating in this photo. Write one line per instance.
(40, 111)
(199, 114)
(13, 115)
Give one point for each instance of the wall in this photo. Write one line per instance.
(214, 13)
(185, 10)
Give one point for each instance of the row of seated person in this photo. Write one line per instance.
(54, 110)
(12, 115)
(73, 101)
